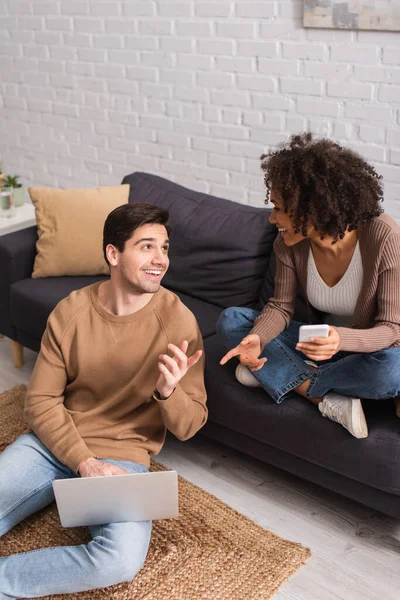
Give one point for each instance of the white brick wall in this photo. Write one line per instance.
(193, 90)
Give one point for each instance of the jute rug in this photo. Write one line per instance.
(211, 552)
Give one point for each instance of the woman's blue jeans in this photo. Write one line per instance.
(115, 554)
(375, 375)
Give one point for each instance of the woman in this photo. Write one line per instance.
(337, 245)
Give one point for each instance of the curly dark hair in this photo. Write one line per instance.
(321, 182)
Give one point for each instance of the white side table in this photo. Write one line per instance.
(24, 217)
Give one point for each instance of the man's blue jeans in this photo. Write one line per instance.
(115, 554)
(375, 375)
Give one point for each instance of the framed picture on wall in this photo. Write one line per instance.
(353, 14)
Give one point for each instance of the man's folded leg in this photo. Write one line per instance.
(27, 472)
(116, 554)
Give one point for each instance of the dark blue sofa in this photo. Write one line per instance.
(221, 255)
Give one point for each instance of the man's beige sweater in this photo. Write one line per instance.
(376, 319)
(91, 392)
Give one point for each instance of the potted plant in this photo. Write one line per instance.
(1, 175)
(18, 192)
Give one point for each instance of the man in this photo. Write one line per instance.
(120, 363)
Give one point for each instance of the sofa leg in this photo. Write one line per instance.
(17, 353)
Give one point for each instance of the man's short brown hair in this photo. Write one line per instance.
(122, 222)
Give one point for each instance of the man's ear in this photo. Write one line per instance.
(112, 255)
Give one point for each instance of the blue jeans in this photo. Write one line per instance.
(115, 554)
(375, 375)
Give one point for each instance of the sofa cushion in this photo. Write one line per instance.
(296, 426)
(219, 249)
(32, 301)
(70, 228)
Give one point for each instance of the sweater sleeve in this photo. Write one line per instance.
(278, 312)
(45, 412)
(184, 412)
(386, 331)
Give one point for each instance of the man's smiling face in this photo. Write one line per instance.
(144, 260)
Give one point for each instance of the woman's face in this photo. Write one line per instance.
(283, 221)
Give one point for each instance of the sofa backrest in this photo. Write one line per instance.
(219, 249)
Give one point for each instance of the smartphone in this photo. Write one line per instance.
(308, 331)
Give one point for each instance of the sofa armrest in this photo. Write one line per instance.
(17, 255)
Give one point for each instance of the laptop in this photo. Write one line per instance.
(117, 498)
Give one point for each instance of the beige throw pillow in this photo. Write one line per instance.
(70, 227)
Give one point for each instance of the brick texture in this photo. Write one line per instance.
(192, 90)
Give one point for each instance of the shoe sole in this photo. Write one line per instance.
(358, 421)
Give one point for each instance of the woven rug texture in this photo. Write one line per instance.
(211, 552)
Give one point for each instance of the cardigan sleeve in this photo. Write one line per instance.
(386, 331)
(278, 312)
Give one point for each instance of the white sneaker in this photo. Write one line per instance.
(245, 376)
(346, 411)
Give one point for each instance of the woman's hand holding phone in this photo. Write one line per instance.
(321, 348)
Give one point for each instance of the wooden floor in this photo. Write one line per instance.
(356, 551)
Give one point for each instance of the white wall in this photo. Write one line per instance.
(192, 90)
